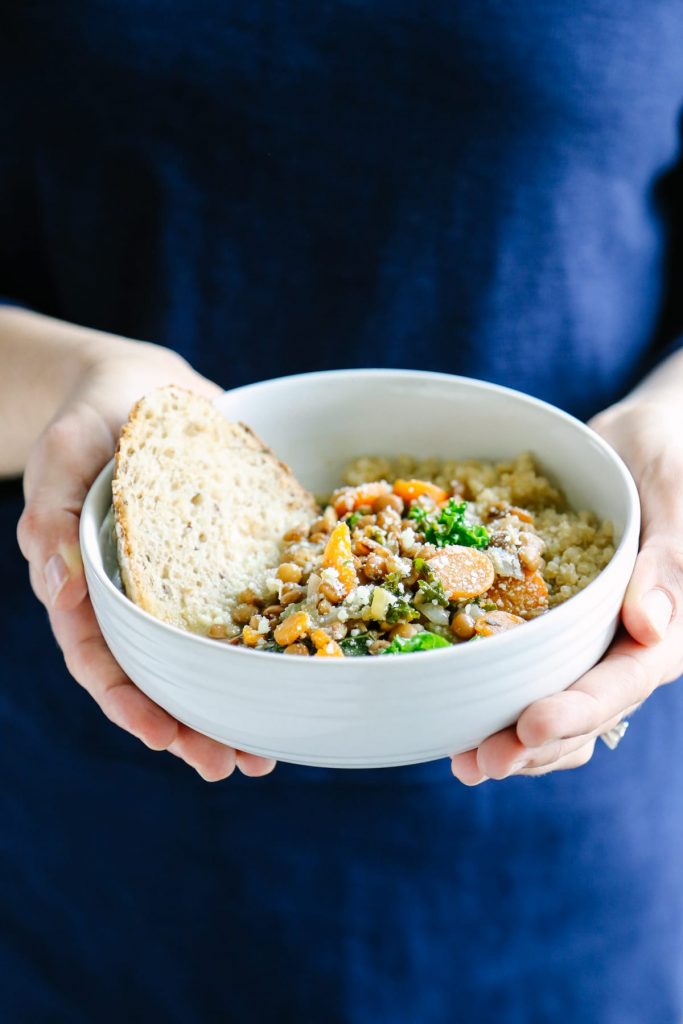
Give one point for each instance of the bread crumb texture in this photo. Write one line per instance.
(201, 505)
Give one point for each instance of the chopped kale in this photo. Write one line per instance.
(402, 611)
(450, 526)
(418, 514)
(392, 583)
(354, 646)
(420, 642)
(273, 646)
(429, 586)
(432, 589)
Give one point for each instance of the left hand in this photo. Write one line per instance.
(561, 731)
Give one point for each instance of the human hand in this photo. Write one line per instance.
(560, 732)
(63, 463)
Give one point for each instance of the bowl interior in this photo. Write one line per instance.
(319, 422)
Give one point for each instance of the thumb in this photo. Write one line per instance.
(655, 591)
(63, 463)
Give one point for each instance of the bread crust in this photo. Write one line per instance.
(189, 485)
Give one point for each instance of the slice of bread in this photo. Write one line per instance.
(200, 507)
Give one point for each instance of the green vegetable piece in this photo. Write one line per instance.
(355, 646)
(273, 646)
(429, 585)
(418, 514)
(392, 583)
(353, 519)
(402, 611)
(420, 642)
(450, 526)
(433, 591)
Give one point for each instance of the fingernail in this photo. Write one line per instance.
(71, 553)
(658, 611)
(56, 575)
(517, 766)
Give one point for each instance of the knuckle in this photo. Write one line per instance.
(28, 527)
(584, 754)
(547, 724)
(551, 753)
(639, 684)
(37, 584)
(87, 657)
(71, 664)
(541, 723)
(665, 553)
(61, 431)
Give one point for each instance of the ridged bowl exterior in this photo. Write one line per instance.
(358, 713)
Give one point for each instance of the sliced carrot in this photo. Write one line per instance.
(491, 623)
(464, 572)
(293, 628)
(338, 555)
(410, 490)
(348, 499)
(527, 597)
(325, 646)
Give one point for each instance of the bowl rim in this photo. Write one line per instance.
(629, 533)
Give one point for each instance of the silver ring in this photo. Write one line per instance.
(613, 737)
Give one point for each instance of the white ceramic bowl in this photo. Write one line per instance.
(358, 713)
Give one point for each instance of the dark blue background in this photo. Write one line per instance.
(482, 188)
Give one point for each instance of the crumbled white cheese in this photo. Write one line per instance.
(273, 585)
(358, 599)
(505, 563)
(262, 626)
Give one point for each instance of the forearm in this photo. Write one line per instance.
(664, 383)
(43, 362)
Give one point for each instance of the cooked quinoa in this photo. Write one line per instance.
(412, 554)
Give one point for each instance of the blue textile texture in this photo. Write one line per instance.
(482, 188)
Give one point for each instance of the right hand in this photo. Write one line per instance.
(63, 463)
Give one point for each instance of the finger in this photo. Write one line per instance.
(92, 665)
(253, 765)
(655, 592)
(575, 759)
(557, 750)
(212, 760)
(64, 461)
(504, 754)
(466, 769)
(622, 680)
(90, 662)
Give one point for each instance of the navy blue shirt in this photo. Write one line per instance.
(484, 188)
